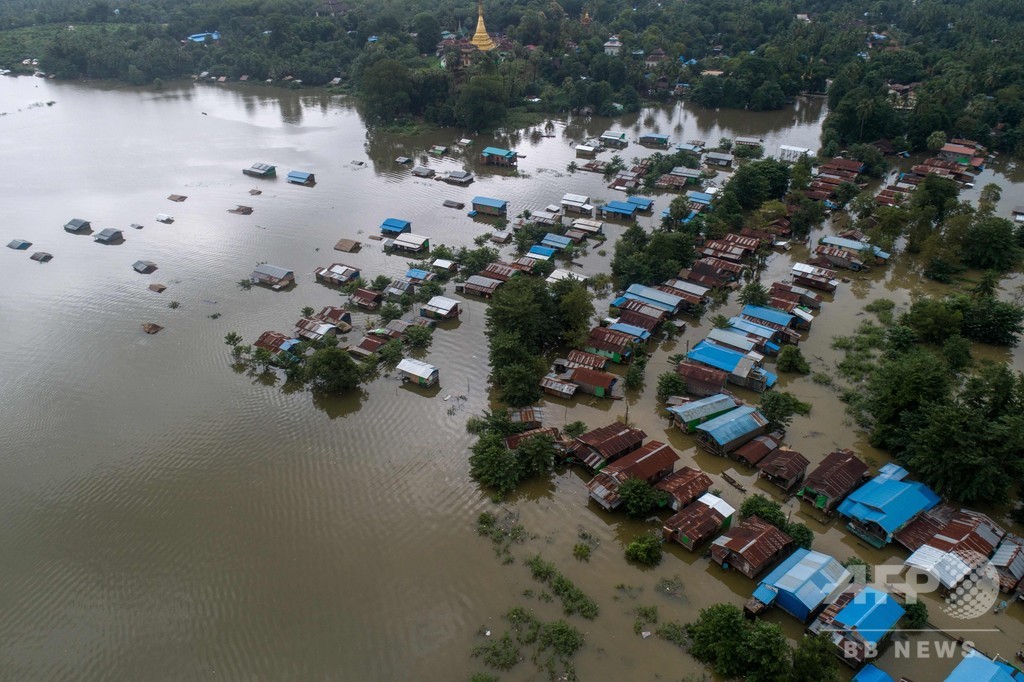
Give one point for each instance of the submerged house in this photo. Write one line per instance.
(614, 345)
(966, 542)
(336, 274)
(650, 296)
(301, 178)
(275, 342)
(700, 379)
(684, 486)
(273, 276)
(651, 463)
(367, 299)
(260, 170)
(496, 156)
(339, 317)
(689, 415)
(599, 447)
(723, 434)
(885, 504)
(654, 140)
(743, 369)
(109, 236)
(751, 547)
(482, 286)
(835, 478)
(977, 667)
(804, 583)
(1009, 562)
(313, 329)
(611, 138)
(144, 267)
(756, 449)
(577, 203)
(440, 308)
(858, 622)
(392, 227)
(595, 382)
(490, 206)
(783, 467)
(698, 522)
(418, 372)
(77, 226)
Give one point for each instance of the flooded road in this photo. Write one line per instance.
(164, 517)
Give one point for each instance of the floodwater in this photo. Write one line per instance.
(166, 517)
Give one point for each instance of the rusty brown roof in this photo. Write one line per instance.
(638, 320)
(592, 377)
(969, 530)
(499, 271)
(581, 358)
(609, 340)
(719, 264)
(332, 314)
(755, 540)
(612, 439)
(784, 463)
(918, 532)
(644, 462)
(694, 372)
(691, 298)
(697, 522)
(367, 295)
(644, 309)
(837, 475)
(755, 450)
(271, 341)
(685, 484)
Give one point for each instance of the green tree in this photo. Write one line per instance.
(801, 534)
(575, 429)
(332, 370)
(717, 638)
(390, 311)
(575, 309)
(779, 407)
(481, 104)
(670, 383)
(767, 654)
(386, 91)
(768, 510)
(418, 336)
(936, 140)
(917, 615)
(933, 320)
(814, 660)
(991, 244)
(957, 351)
(428, 32)
(754, 293)
(792, 360)
(232, 339)
(536, 455)
(899, 389)
(638, 497)
(494, 465)
(645, 549)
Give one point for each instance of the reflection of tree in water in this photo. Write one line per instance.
(291, 109)
(335, 406)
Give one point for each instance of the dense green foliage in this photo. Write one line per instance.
(639, 497)
(645, 549)
(779, 407)
(502, 469)
(332, 370)
(647, 258)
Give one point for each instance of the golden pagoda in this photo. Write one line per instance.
(481, 40)
(586, 18)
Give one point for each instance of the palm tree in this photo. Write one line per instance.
(865, 109)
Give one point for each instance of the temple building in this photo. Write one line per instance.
(481, 40)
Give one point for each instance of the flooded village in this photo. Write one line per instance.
(154, 475)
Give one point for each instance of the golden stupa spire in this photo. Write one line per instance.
(481, 40)
(586, 18)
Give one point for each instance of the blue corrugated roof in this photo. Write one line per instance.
(806, 580)
(652, 294)
(638, 332)
(633, 297)
(870, 673)
(642, 202)
(733, 424)
(416, 273)
(395, 225)
(889, 503)
(872, 612)
(748, 327)
(765, 594)
(621, 207)
(542, 251)
(699, 197)
(656, 136)
(716, 356)
(773, 315)
(299, 175)
(975, 667)
(699, 409)
(556, 241)
(488, 201)
(498, 151)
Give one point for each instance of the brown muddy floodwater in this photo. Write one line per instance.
(163, 517)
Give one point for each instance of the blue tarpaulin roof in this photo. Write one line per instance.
(556, 241)
(698, 409)
(870, 673)
(396, 226)
(621, 207)
(638, 332)
(542, 251)
(488, 201)
(734, 424)
(498, 151)
(643, 203)
(872, 612)
(806, 580)
(888, 502)
(416, 273)
(975, 667)
(773, 315)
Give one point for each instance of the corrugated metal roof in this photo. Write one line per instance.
(732, 339)
(685, 484)
(854, 245)
(784, 463)
(612, 439)
(720, 358)
(870, 673)
(497, 151)
(869, 612)
(837, 474)
(592, 377)
(655, 296)
(748, 327)
(755, 540)
(811, 577)
(888, 502)
(643, 203)
(734, 424)
(694, 372)
(699, 409)
(697, 521)
(556, 241)
(483, 282)
(644, 462)
(490, 202)
(946, 567)
(975, 667)
(636, 332)
(441, 304)
(581, 358)
(609, 340)
(395, 225)
(275, 271)
(768, 314)
(543, 252)
(718, 504)
(753, 451)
